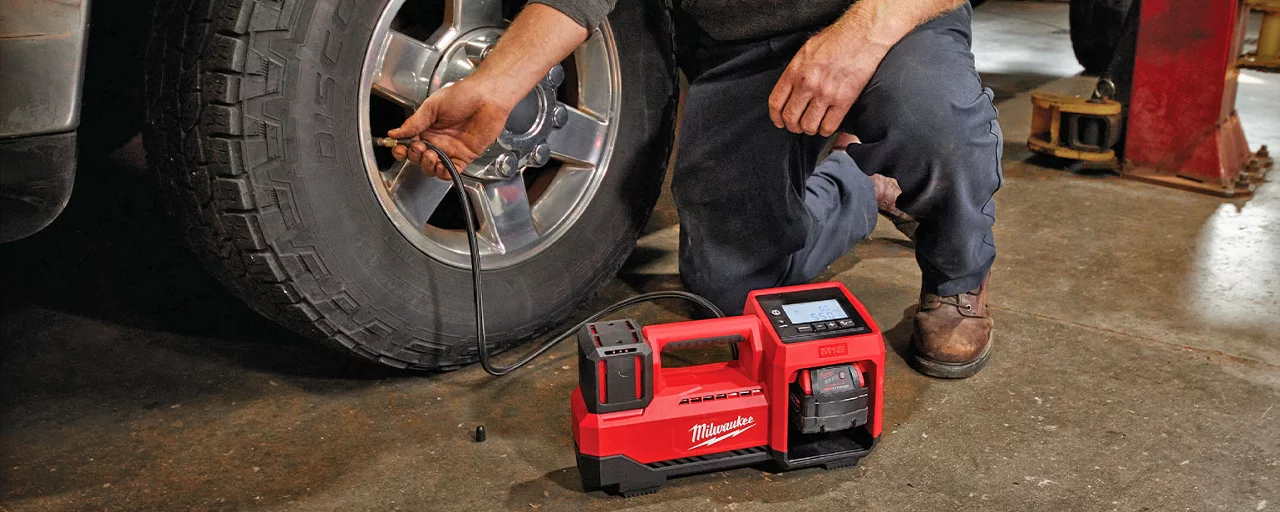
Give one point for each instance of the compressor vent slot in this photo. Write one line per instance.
(707, 458)
(719, 396)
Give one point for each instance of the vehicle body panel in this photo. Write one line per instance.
(42, 49)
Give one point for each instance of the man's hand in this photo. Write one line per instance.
(828, 73)
(823, 80)
(466, 117)
(460, 119)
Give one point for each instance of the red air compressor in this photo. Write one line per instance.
(805, 390)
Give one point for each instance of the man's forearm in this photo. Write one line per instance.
(538, 39)
(882, 23)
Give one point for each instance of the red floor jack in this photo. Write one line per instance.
(805, 390)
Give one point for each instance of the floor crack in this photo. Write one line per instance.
(1219, 353)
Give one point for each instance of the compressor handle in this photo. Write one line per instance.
(743, 330)
(732, 339)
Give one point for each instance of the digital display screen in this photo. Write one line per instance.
(806, 312)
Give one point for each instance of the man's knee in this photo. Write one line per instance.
(925, 109)
(720, 284)
(930, 135)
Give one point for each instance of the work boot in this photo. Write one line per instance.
(952, 338)
(887, 191)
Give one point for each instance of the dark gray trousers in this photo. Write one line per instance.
(758, 210)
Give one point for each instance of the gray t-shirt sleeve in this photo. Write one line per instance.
(588, 13)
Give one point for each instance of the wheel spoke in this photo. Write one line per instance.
(396, 173)
(464, 15)
(568, 187)
(404, 69)
(581, 140)
(596, 89)
(506, 221)
(416, 194)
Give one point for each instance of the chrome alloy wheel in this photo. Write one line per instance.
(535, 181)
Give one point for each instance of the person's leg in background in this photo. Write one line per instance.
(925, 120)
(754, 213)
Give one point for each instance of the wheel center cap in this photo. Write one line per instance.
(525, 115)
(523, 141)
(463, 56)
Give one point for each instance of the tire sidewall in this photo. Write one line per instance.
(1096, 27)
(380, 283)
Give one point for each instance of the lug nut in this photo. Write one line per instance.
(559, 115)
(506, 163)
(556, 76)
(541, 154)
(475, 52)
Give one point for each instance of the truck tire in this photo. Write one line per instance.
(255, 126)
(1096, 28)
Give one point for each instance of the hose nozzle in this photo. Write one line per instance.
(388, 142)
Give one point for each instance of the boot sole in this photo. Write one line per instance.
(943, 370)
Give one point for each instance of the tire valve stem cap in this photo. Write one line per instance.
(480, 434)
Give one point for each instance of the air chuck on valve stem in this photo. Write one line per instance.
(389, 142)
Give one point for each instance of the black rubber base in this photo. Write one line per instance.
(623, 476)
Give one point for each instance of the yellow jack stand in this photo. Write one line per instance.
(1075, 128)
(1267, 58)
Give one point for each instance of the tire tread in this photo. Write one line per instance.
(211, 85)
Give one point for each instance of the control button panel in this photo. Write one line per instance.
(812, 315)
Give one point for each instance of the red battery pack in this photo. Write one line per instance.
(805, 390)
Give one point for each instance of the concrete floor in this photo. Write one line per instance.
(1137, 362)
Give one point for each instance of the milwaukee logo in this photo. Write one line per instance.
(707, 434)
(838, 349)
